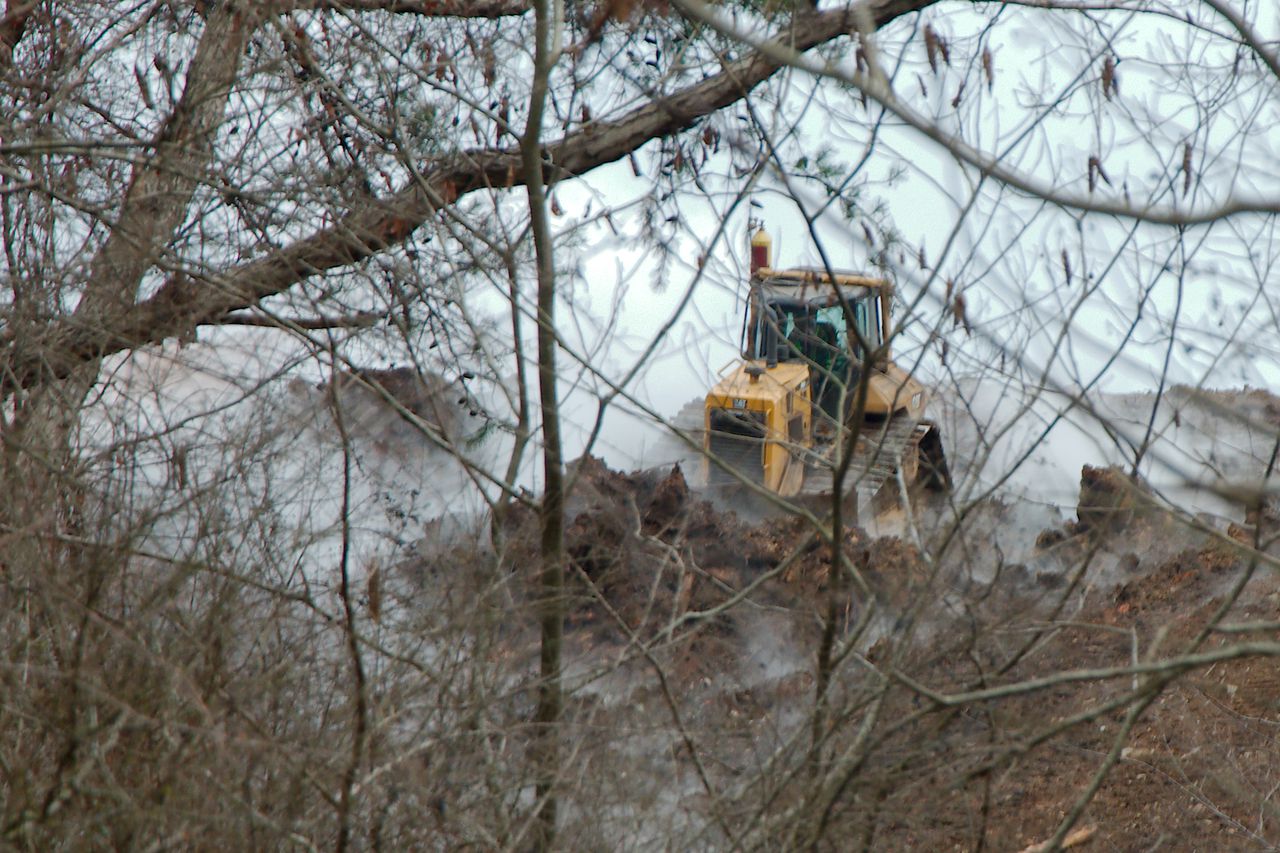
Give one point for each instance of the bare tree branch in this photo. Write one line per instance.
(425, 8)
(185, 302)
(161, 187)
(359, 320)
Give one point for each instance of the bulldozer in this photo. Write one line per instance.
(812, 341)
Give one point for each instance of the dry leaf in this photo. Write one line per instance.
(1096, 171)
(489, 62)
(959, 314)
(143, 88)
(931, 47)
(373, 590)
(1073, 839)
(1110, 83)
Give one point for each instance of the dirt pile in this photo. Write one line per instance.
(644, 549)
(1119, 584)
(1113, 508)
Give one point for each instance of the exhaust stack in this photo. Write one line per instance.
(761, 249)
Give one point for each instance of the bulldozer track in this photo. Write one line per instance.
(878, 456)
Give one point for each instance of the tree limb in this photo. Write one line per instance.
(425, 8)
(359, 320)
(184, 302)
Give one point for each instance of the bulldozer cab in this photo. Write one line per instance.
(774, 419)
(828, 324)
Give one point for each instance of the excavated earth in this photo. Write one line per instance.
(1199, 768)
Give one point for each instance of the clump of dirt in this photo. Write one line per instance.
(1119, 584)
(1109, 501)
(1112, 508)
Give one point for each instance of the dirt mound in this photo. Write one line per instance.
(645, 550)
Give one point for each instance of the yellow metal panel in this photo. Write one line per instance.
(781, 393)
(895, 390)
(773, 385)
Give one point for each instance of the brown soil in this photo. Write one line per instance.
(1200, 769)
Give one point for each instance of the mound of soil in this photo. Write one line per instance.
(644, 550)
(1199, 768)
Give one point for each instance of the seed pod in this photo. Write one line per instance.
(1066, 265)
(987, 68)
(1186, 169)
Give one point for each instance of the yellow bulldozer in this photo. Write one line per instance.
(781, 415)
